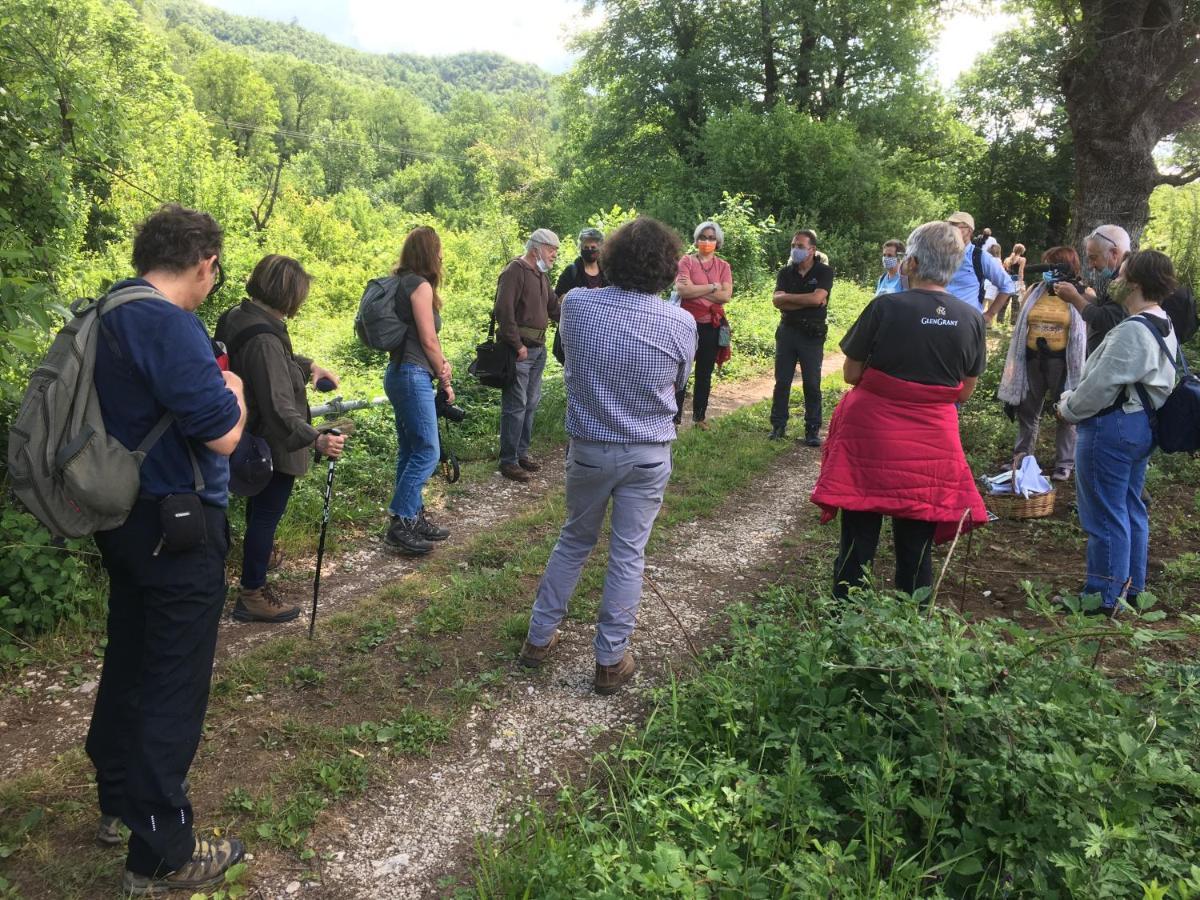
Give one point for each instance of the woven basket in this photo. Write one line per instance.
(1014, 506)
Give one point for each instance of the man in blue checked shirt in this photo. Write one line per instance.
(628, 354)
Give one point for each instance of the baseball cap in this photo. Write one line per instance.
(962, 218)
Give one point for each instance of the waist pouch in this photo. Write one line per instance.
(536, 336)
(181, 517)
(807, 326)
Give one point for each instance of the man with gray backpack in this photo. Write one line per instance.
(145, 377)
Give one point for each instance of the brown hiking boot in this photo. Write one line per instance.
(609, 679)
(263, 605)
(532, 655)
(108, 831)
(207, 867)
(516, 473)
(528, 464)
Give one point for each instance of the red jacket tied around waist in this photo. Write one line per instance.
(893, 448)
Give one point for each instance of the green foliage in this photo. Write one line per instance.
(40, 584)
(414, 732)
(1175, 229)
(875, 750)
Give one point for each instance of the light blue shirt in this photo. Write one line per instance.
(890, 284)
(965, 286)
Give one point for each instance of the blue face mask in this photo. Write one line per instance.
(891, 262)
(800, 254)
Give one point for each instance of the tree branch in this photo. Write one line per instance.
(1187, 176)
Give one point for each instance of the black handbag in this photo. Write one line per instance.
(495, 363)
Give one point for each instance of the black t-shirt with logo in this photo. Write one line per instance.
(790, 281)
(929, 337)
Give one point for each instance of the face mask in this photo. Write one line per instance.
(706, 246)
(891, 262)
(542, 265)
(799, 255)
(590, 254)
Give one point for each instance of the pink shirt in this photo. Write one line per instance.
(715, 271)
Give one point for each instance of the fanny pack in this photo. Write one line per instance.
(534, 335)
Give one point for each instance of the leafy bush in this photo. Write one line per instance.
(40, 584)
(872, 750)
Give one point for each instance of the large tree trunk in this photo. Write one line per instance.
(1129, 79)
(770, 71)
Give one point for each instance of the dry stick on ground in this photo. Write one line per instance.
(949, 556)
(687, 637)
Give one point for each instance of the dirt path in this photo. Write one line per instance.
(44, 711)
(538, 730)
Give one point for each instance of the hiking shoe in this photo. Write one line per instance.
(532, 655)
(263, 605)
(812, 440)
(609, 679)
(778, 433)
(1061, 473)
(210, 860)
(528, 464)
(428, 530)
(702, 424)
(403, 536)
(515, 472)
(108, 831)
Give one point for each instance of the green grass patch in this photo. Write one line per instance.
(876, 751)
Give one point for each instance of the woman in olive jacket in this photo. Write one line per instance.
(260, 350)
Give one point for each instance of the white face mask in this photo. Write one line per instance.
(542, 265)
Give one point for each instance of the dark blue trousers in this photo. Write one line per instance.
(263, 512)
(162, 634)
(793, 347)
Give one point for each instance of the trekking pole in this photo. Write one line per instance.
(312, 622)
(337, 406)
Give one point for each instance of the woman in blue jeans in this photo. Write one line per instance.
(1115, 438)
(408, 383)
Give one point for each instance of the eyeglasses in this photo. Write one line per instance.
(218, 280)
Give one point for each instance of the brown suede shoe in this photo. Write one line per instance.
(516, 473)
(528, 464)
(609, 679)
(262, 605)
(532, 655)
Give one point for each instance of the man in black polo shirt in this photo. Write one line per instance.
(802, 291)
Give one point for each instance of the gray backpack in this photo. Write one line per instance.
(63, 465)
(385, 312)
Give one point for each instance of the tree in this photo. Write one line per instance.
(1130, 78)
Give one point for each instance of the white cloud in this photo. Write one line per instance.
(534, 32)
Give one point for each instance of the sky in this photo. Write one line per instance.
(534, 32)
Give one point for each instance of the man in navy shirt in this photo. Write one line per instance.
(166, 591)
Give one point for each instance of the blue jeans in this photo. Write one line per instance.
(1110, 470)
(410, 388)
(263, 512)
(518, 403)
(634, 477)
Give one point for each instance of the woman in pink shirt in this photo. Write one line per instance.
(705, 284)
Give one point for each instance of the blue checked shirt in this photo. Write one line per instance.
(627, 354)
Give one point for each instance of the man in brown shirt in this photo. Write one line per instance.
(525, 303)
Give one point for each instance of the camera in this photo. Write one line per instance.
(1053, 273)
(447, 410)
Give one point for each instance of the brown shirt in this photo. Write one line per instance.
(524, 299)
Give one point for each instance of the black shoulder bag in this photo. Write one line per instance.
(495, 363)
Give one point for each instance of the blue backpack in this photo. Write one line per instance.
(1176, 424)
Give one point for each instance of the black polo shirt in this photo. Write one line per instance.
(790, 281)
(929, 337)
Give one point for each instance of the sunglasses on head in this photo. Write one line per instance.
(1103, 237)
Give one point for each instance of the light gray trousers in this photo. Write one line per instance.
(634, 477)
(1046, 376)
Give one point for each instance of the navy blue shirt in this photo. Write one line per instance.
(166, 364)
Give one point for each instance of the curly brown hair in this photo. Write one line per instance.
(175, 238)
(1153, 272)
(642, 255)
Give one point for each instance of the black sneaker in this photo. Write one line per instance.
(778, 433)
(428, 530)
(404, 537)
(812, 439)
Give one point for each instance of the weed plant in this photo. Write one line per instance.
(872, 750)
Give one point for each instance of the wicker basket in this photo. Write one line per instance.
(1014, 506)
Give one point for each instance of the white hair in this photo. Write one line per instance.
(1110, 236)
(716, 230)
(938, 250)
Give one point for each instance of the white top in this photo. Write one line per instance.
(1128, 355)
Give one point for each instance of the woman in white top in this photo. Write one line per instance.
(1115, 438)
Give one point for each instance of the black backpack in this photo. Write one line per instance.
(1176, 424)
(977, 265)
(1181, 307)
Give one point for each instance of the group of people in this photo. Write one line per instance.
(893, 447)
